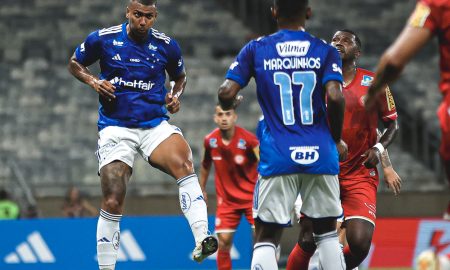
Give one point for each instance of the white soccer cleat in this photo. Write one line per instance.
(206, 247)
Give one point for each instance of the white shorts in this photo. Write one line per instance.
(121, 143)
(275, 196)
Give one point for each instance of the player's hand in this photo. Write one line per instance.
(104, 88)
(392, 180)
(373, 157)
(342, 150)
(172, 103)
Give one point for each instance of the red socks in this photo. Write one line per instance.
(298, 259)
(223, 260)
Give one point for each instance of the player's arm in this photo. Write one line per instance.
(178, 85)
(413, 37)
(374, 154)
(228, 94)
(256, 152)
(335, 110)
(103, 87)
(205, 168)
(391, 178)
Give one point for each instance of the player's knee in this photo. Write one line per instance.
(360, 246)
(225, 245)
(307, 243)
(113, 205)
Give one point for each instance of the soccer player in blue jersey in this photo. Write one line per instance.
(134, 59)
(300, 138)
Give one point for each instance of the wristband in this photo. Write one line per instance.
(380, 147)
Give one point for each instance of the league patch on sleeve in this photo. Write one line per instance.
(419, 16)
(390, 99)
(213, 142)
(366, 80)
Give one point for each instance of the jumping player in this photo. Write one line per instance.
(234, 152)
(299, 137)
(430, 18)
(358, 178)
(134, 59)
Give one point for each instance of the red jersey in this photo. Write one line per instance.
(235, 167)
(435, 15)
(360, 126)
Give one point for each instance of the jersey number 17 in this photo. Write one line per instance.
(307, 81)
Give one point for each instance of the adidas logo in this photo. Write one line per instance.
(117, 57)
(34, 250)
(129, 249)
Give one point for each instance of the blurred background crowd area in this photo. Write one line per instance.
(48, 119)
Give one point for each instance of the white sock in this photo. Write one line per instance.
(108, 239)
(330, 252)
(193, 206)
(264, 256)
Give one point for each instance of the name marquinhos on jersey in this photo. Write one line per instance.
(146, 86)
(292, 63)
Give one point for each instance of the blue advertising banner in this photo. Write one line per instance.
(163, 242)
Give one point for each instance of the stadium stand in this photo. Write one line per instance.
(49, 119)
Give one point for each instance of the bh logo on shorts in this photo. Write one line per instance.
(185, 202)
(304, 155)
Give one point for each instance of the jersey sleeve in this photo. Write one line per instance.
(425, 15)
(175, 63)
(90, 50)
(332, 67)
(387, 109)
(206, 161)
(241, 70)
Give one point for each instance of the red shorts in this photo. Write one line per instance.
(359, 198)
(443, 113)
(227, 219)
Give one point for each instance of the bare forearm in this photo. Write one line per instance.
(180, 84)
(227, 94)
(204, 173)
(335, 111)
(391, 131)
(81, 72)
(385, 160)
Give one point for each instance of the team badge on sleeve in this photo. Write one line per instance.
(419, 16)
(242, 144)
(213, 142)
(366, 80)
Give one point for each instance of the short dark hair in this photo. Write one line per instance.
(290, 9)
(233, 107)
(357, 39)
(145, 2)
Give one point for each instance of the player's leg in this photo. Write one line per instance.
(321, 203)
(227, 220)
(444, 150)
(305, 247)
(116, 157)
(359, 202)
(223, 254)
(273, 202)
(166, 149)
(114, 178)
(267, 238)
(359, 237)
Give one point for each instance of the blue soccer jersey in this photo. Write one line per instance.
(137, 70)
(291, 69)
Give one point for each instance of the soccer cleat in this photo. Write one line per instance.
(205, 248)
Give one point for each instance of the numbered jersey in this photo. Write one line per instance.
(137, 70)
(290, 69)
